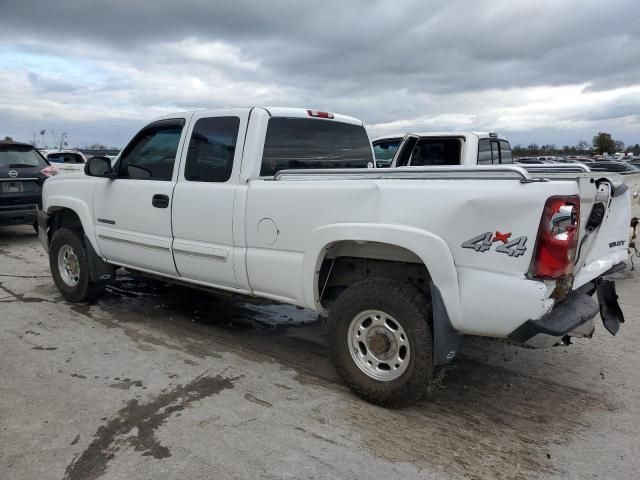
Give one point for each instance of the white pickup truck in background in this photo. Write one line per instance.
(442, 148)
(279, 203)
(478, 148)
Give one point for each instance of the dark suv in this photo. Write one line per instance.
(23, 170)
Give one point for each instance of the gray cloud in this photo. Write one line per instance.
(417, 62)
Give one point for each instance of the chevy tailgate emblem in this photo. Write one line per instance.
(13, 173)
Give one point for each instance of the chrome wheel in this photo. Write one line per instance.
(68, 266)
(379, 345)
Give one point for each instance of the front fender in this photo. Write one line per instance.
(81, 208)
(431, 249)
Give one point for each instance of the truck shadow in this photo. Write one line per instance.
(482, 422)
(17, 233)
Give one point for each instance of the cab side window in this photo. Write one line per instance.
(485, 155)
(211, 149)
(505, 152)
(152, 153)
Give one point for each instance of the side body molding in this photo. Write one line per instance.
(431, 249)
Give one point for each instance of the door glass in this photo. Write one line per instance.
(152, 154)
(211, 149)
(484, 152)
(505, 152)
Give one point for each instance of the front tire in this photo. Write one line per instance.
(381, 343)
(70, 268)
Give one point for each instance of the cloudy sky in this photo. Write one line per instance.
(538, 70)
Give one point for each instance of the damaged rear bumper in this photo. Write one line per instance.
(573, 316)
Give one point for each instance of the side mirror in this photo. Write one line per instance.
(99, 167)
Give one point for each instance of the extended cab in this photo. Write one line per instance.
(442, 148)
(280, 203)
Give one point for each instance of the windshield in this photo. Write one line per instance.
(384, 150)
(17, 156)
(293, 143)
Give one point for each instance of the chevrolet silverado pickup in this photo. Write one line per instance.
(282, 204)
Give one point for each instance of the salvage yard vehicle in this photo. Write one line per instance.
(442, 148)
(22, 172)
(66, 161)
(279, 203)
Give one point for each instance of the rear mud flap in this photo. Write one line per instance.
(610, 310)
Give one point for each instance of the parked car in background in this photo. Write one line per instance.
(529, 161)
(23, 170)
(622, 168)
(585, 160)
(66, 161)
(279, 203)
(443, 149)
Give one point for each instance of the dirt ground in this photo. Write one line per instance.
(158, 381)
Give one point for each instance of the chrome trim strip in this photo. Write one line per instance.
(456, 172)
(209, 256)
(135, 244)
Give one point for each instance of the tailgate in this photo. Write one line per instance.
(602, 246)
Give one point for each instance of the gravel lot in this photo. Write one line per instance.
(158, 381)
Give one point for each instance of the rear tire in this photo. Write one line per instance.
(380, 340)
(70, 268)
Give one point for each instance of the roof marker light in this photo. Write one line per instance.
(318, 114)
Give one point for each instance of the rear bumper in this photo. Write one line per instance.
(18, 215)
(573, 316)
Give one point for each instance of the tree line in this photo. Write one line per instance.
(600, 144)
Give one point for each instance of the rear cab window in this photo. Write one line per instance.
(302, 143)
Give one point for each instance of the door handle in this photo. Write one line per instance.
(160, 201)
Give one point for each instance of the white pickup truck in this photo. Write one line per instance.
(442, 148)
(279, 203)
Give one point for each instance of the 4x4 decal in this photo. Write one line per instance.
(484, 242)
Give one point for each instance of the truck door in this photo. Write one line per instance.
(132, 212)
(204, 199)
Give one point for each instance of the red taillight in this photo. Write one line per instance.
(49, 171)
(317, 114)
(557, 238)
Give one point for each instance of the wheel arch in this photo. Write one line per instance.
(403, 243)
(71, 213)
